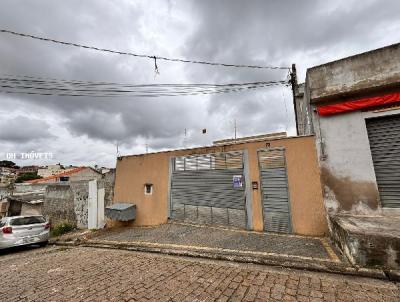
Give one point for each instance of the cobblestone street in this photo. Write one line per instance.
(90, 274)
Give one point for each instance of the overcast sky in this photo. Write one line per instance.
(85, 131)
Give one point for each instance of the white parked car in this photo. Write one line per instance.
(23, 230)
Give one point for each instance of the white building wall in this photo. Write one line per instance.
(347, 170)
(50, 170)
(85, 174)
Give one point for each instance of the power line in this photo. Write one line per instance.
(143, 95)
(43, 86)
(153, 57)
(40, 80)
(91, 93)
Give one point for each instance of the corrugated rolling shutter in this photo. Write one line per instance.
(275, 195)
(203, 190)
(384, 139)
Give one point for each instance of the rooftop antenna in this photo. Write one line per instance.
(117, 146)
(235, 128)
(185, 138)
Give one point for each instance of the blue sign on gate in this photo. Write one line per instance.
(237, 181)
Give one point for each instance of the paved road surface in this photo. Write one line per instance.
(90, 274)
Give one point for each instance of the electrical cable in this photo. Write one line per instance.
(153, 57)
(43, 86)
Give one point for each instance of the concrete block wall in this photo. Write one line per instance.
(69, 202)
(59, 204)
(80, 203)
(107, 183)
(31, 209)
(27, 187)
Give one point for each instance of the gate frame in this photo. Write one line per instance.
(248, 191)
(287, 187)
(171, 162)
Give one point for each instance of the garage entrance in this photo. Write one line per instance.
(274, 190)
(384, 140)
(209, 189)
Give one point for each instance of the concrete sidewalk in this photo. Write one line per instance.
(191, 236)
(288, 251)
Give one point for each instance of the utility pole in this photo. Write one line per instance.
(293, 81)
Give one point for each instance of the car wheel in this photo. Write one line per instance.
(44, 243)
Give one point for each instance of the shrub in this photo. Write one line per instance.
(27, 176)
(62, 228)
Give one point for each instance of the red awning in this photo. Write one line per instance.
(359, 104)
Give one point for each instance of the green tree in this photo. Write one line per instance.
(8, 164)
(27, 176)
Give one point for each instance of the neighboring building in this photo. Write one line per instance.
(62, 197)
(76, 174)
(27, 169)
(4, 190)
(51, 170)
(249, 139)
(353, 107)
(3, 207)
(7, 175)
(104, 170)
(69, 201)
(264, 183)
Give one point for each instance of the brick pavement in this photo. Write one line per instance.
(90, 274)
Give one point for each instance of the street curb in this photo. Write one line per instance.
(314, 265)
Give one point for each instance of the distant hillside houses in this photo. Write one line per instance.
(11, 173)
(65, 175)
(51, 170)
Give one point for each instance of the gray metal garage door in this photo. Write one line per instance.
(384, 139)
(274, 188)
(209, 189)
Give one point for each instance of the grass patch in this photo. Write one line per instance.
(62, 228)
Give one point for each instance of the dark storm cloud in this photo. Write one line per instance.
(106, 24)
(22, 129)
(306, 32)
(275, 33)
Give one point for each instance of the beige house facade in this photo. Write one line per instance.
(265, 184)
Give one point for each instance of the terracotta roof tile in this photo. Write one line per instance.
(73, 171)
